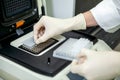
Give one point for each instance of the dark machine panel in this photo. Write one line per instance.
(45, 64)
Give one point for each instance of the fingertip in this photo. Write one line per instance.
(82, 56)
(74, 66)
(37, 42)
(35, 36)
(41, 39)
(74, 62)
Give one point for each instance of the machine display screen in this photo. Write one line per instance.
(14, 10)
(13, 7)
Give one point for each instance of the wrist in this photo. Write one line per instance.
(76, 23)
(90, 20)
(79, 22)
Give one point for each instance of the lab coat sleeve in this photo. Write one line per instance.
(107, 15)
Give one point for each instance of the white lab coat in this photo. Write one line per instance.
(107, 14)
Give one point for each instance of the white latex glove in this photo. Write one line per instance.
(95, 65)
(48, 27)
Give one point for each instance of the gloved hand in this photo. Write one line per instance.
(48, 27)
(95, 65)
